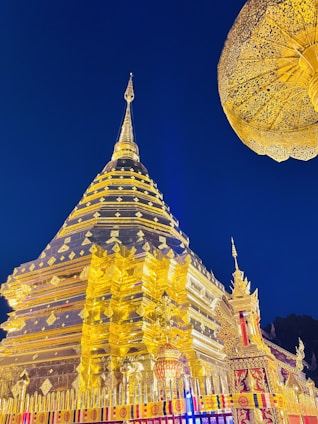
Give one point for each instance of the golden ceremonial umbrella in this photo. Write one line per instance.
(268, 78)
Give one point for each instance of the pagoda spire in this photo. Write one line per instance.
(241, 286)
(234, 254)
(126, 148)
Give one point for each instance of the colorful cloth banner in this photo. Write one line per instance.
(37, 418)
(240, 400)
(88, 415)
(153, 411)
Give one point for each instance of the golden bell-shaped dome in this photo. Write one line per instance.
(268, 78)
(168, 362)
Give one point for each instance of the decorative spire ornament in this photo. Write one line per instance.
(234, 253)
(241, 286)
(300, 355)
(126, 148)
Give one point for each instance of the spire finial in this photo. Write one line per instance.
(241, 285)
(129, 93)
(234, 254)
(126, 148)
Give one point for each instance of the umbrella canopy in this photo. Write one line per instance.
(268, 78)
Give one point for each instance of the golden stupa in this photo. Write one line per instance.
(118, 320)
(114, 288)
(268, 78)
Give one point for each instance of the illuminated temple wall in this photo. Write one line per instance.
(77, 323)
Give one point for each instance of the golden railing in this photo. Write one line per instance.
(146, 401)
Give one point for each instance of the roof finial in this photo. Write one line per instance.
(234, 253)
(126, 148)
(129, 93)
(241, 286)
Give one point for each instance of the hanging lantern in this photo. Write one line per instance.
(268, 78)
(168, 364)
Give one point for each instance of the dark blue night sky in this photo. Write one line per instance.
(64, 68)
